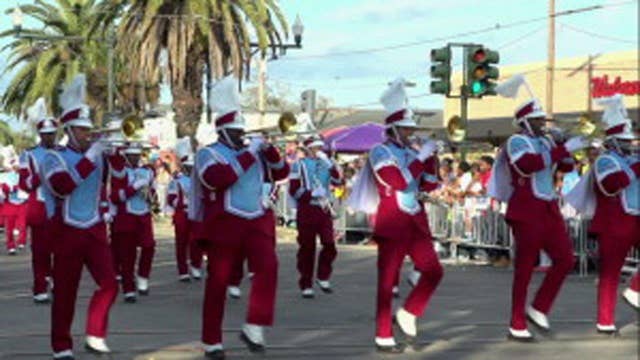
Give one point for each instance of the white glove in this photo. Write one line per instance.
(427, 150)
(576, 143)
(95, 151)
(256, 144)
(319, 192)
(324, 158)
(139, 184)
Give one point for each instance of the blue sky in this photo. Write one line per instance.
(335, 26)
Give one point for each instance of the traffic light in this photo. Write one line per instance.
(480, 72)
(440, 71)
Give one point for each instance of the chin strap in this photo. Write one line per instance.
(227, 139)
(72, 138)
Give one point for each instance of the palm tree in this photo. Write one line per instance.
(46, 58)
(198, 36)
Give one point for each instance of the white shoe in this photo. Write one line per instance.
(386, 342)
(632, 297)
(63, 354)
(407, 322)
(395, 291)
(234, 292)
(143, 285)
(250, 275)
(97, 344)
(212, 348)
(196, 273)
(20, 247)
(520, 335)
(119, 278)
(308, 293)
(325, 286)
(12, 251)
(413, 278)
(539, 319)
(255, 333)
(41, 298)
(606, 329)
(184, 278)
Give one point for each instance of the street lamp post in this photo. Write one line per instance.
(17, 18)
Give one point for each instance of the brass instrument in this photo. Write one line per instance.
(283, 130)
(123, 131)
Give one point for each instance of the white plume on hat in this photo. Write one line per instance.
(72, 99)
(615, 117)
(37, 115)
(224, 99)
(394, 99)
(510, 88)
(183, 150)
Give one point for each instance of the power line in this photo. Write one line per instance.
(599, 36)
(497, 26)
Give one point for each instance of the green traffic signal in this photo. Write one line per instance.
(480, 73)
(440, 71)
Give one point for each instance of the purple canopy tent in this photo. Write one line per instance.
(356, 139)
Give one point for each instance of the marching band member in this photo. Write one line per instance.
(389, 184)
(31, 182)
(15, 205)
(75, 175)
(178, 202)
(610, 194)
(523, 177)
(310, 179)
(227, 199)
(132, 225)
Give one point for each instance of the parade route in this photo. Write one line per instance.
(467, 318)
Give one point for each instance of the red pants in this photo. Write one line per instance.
(613, 250)
(548, 233)
(124, 245)
(72, 249)
(232, 239)
(41, 257)
(391, 252)
(185, 242)
(307, 233)
(15, 218)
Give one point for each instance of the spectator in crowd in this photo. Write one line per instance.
(486, 164)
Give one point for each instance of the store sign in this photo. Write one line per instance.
(603, 87)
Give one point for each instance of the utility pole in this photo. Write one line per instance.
(111, 39)
(262, 79)
(551, 57)
(589, 86)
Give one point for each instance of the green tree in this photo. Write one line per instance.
(201, 39)
(63, 43)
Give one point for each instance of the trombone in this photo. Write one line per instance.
(123, 132)
(283, 130)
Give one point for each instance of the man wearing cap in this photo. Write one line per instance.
(615, 208)
(178, 202)
(31, 181)
(523, 177)
(227, 199)
(75, 175)
(401, 226)
(310, 179)
(132, 225)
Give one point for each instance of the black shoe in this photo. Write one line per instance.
(94, 351)
(253, 347)
(185, 279)
(395, 349)
(215, 354)
(130, 299)
(69, 357)
(529, 340)
(42, 302)
(143, 292)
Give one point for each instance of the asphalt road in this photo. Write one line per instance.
(467, 318)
